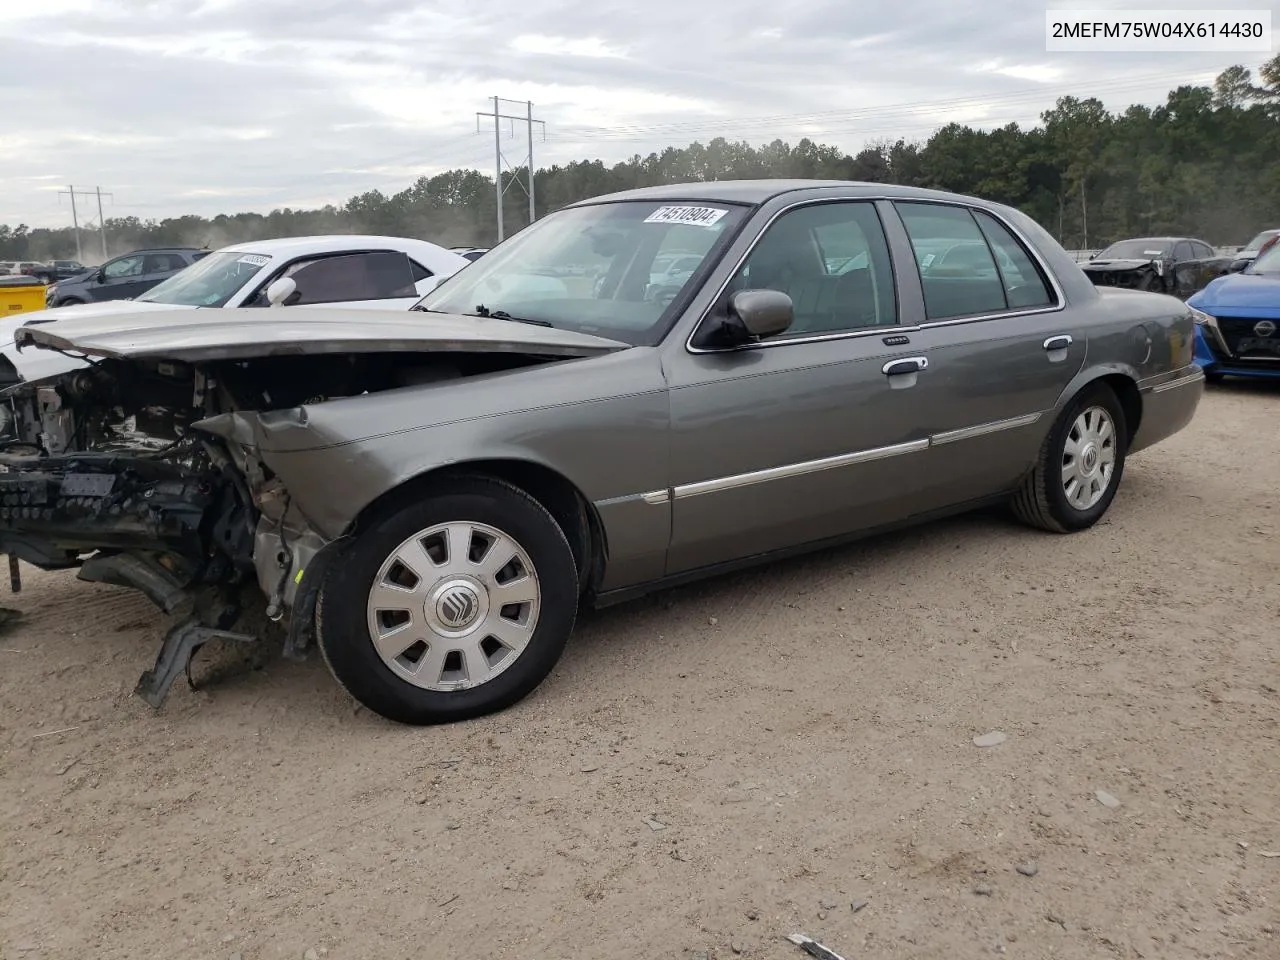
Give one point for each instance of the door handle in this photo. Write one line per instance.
(898, 368)
(1058, 343)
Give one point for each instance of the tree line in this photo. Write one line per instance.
(1205, 163)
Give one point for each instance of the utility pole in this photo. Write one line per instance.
(102, 223)
(533, 214)
(499, 189)
(75, 220)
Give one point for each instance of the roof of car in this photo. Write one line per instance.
(1157, 240)
(330, 243)
(760, 191)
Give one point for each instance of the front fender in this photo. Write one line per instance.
(612, 450)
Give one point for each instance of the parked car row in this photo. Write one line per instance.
(1175, 265)
(389, 273)
(429, 495)
(46, 272)
(1181, 266)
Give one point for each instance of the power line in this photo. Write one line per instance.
(72, 192)
(625, 133)
(499, 188)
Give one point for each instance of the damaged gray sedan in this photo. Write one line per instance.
(429, 497)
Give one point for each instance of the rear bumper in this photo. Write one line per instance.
(1167, 406)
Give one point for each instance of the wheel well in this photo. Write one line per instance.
(1126, 392)
(561, 498)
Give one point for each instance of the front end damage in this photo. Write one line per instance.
(149, 463)
(146, 476)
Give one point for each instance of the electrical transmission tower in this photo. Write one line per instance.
(72, 192)
(497, 116)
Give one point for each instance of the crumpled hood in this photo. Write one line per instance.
(38, 364)
(1239, 292)
(206, 335)
(107, 310)
(1116, 264)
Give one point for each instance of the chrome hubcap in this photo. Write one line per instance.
(453, 606)
(1089, 458)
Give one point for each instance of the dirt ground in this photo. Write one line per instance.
(713, 768)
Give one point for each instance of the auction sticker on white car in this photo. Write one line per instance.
(254, 259)
(693, 216)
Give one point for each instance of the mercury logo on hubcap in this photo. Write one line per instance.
(457, 606)
(1090, 459)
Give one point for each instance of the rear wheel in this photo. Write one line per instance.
(453, 606)
(1080, 465)
(1214, 377)
(68, 302)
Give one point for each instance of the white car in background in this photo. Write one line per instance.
(387, 273)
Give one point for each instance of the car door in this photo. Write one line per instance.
(1000, 349)
(802, 437)
(119, 278)
(1208, 265)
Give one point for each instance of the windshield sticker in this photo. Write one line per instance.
(254, 259)
(1152, 253)
(693, 216)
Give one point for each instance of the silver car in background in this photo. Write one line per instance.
(430, 496)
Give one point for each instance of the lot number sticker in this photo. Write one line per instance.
(693, 216)
(254, 259)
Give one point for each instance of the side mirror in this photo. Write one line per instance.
(762, 313)
(101, 276)
(279, 292)
(750, 315)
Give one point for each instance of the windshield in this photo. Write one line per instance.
(609, 269)
(210, 281)
(1134, 250)
(1268, 263)
(1257, 242)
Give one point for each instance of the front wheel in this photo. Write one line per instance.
(68, 302)
(456, 605)
(1080, 464)
(1214, 377)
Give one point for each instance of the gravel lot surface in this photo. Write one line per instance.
(712, 768)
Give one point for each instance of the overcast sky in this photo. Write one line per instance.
(218, 106)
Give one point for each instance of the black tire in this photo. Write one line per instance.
(1214, 377)
(68, 302)
(343, 632)
(1041, 501)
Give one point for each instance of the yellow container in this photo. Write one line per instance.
(18, 297)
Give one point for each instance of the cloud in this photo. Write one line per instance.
(211, 106)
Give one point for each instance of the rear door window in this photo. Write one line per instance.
(973, 285)
(1024, 284)
(380, 275)
(163, 263)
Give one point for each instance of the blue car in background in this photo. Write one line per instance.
(1238, 322)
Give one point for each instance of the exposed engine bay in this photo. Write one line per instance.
(130, 471)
